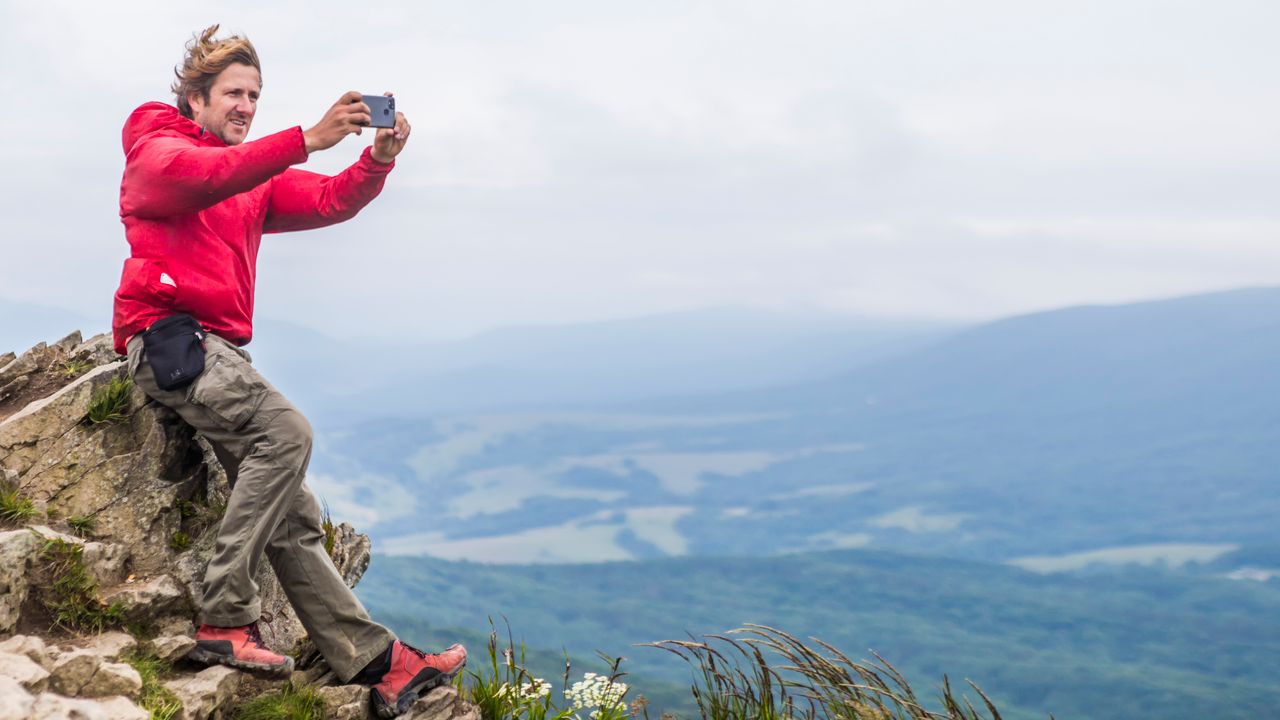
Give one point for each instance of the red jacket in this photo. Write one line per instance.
(194, 210)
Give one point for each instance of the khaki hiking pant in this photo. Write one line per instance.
(264, 444)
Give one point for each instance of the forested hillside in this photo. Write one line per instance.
(1114, 646)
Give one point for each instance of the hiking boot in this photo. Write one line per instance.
(414, 673)
(240, 647)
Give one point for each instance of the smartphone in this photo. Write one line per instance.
(382, 110)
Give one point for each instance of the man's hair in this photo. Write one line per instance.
(206, 58)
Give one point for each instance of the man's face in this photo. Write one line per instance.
(232, 102)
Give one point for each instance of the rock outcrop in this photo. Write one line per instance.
(108, 506)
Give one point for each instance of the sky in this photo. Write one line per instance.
(584, 160)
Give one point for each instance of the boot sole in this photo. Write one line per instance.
(409, 695)
(212, 658)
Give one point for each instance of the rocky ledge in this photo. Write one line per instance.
(108, 506)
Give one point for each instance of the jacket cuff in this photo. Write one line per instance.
(296, 135)
(368, 163)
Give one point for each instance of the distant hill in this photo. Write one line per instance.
(338, 377)
(1213, 351)
(575, 366)
(1139, 644)
(1150, 425)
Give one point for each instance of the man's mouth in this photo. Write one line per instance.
(239, 122)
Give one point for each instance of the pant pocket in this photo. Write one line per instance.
(229, 388)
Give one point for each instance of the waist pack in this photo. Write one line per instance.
(175, 350)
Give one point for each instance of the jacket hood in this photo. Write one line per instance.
(154, 116)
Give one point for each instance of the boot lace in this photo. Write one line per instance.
(413, 649)
(256, 635)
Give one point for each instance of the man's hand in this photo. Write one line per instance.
(388, 142)
(347, 116)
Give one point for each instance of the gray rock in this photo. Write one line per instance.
(24, 364)
(128, 474)
(439, 704)
(17, 549)
(345, 702)
(47, 533)
(176, 626)
(139, 477)
(54, 416)
(205, 692)
(68, 343)
(351, 702)
(111, 645)
(467, 712)
(15, 701)
(171, 648)
(25, 671)
(14, 386)
(121, 708)
(72, 671)
(351, 553)
(99, 350)
(105, 561)
(31, 646)
(113, 679)
(55, 707)
(147, 598)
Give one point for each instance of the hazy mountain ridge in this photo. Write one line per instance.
(585, 365)
(1062, 432)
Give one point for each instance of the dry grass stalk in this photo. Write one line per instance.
(735, 680)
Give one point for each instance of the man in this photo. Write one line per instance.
(195, 201)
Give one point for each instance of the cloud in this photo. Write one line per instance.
(574, 161)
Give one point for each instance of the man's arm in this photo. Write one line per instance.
(170, 176)
(302, 200)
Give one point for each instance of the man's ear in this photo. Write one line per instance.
(196, 102)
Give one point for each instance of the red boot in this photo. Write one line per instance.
(240, 647)
(413, 673)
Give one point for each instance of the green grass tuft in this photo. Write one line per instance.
(196, 515)
(15, 508)
(289, 704)
(75, 368)
(111, 402)
(143, 630)
(155, 698)
(82, 525)
(69, 593)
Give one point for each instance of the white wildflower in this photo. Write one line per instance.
(596, 691)
(537, 688)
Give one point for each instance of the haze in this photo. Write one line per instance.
(573, 161)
